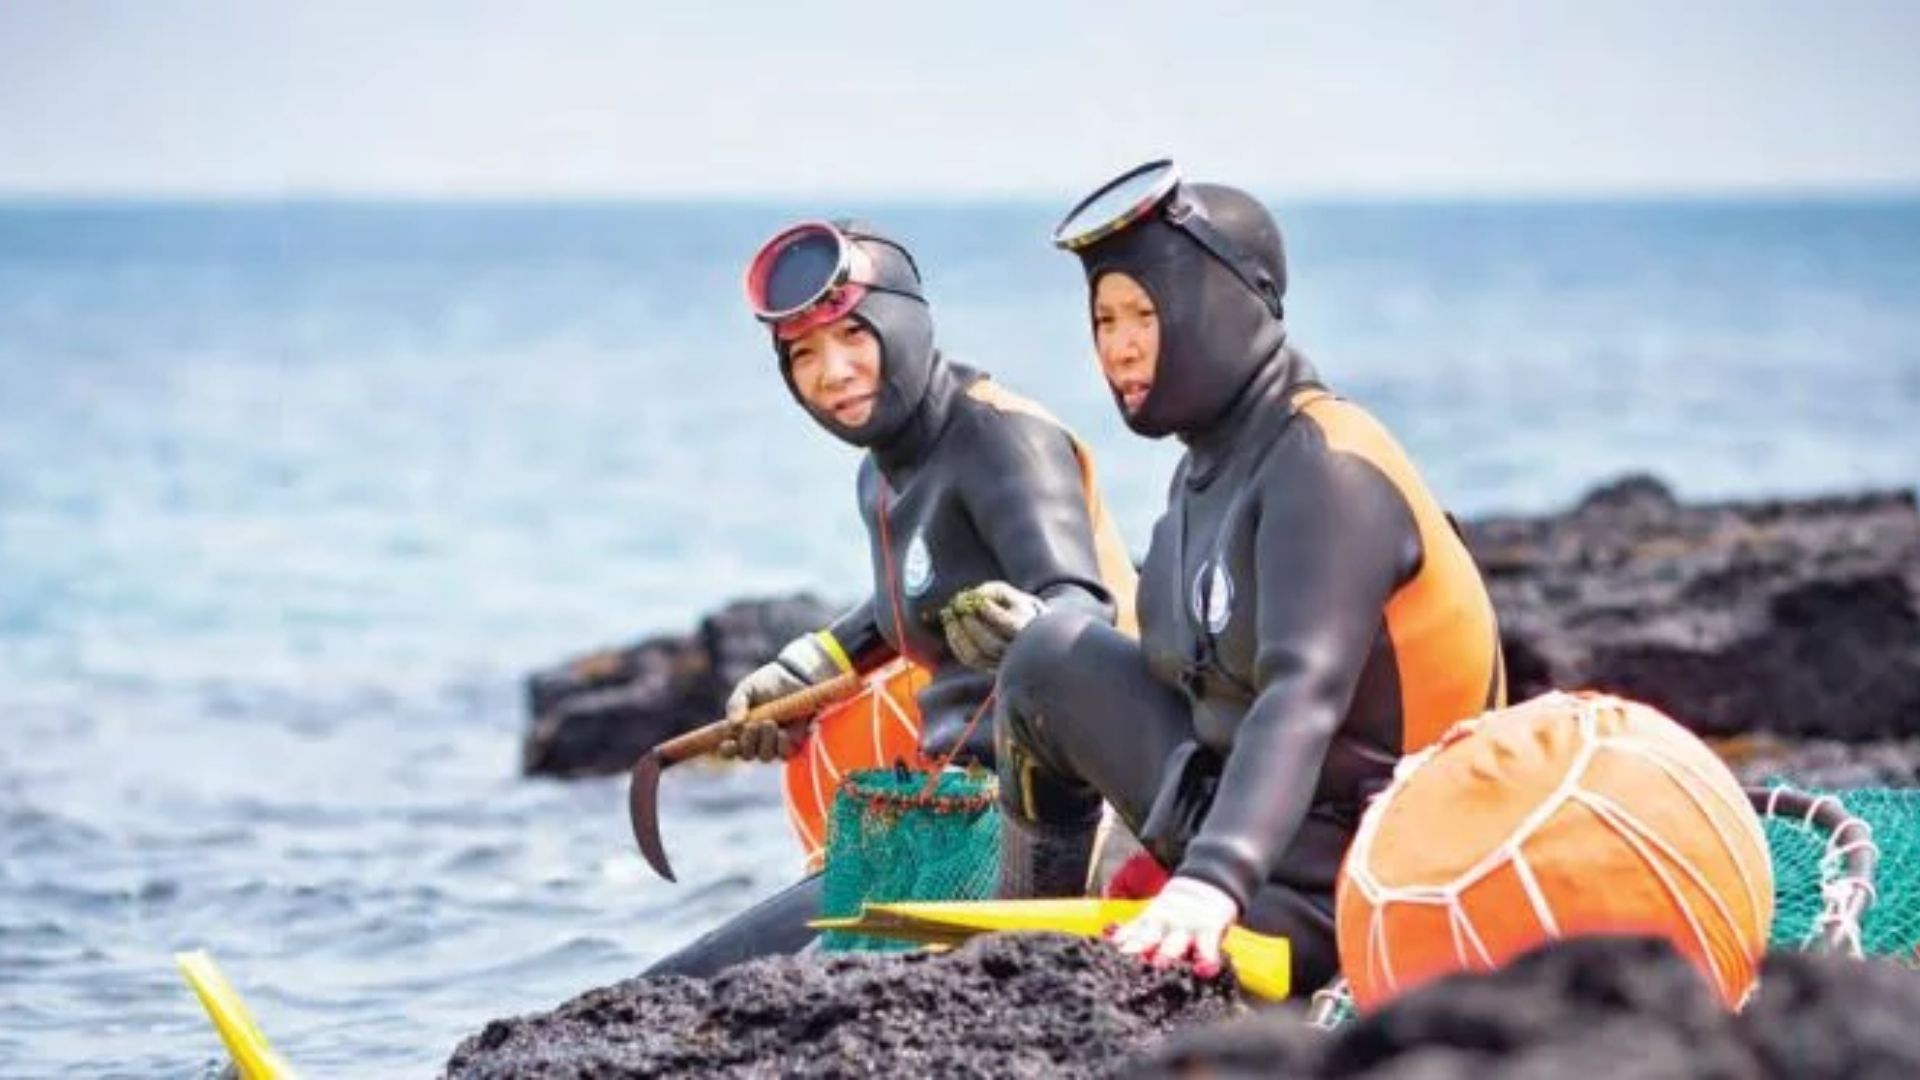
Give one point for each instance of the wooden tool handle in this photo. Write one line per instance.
(785, 710)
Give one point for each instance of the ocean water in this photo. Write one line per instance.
(292, 495)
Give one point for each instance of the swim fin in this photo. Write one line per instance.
(1262, 963)
(245, 1044)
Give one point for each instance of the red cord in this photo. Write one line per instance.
(893, 586)
(900, 640)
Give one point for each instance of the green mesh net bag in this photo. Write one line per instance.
(1846, 870)
(889, 838)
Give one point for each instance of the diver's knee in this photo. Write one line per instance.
(1042, 648)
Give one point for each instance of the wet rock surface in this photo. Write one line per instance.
(1800, 617)
(1614, 1007)
(598, 713)
(999, 1006)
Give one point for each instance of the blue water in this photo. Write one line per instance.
(290, 497)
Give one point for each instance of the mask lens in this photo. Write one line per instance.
(1119, 203)
(795, 270)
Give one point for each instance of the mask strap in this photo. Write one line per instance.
(1190, 218)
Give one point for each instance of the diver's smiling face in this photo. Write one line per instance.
(1126, 334)
(836, 369)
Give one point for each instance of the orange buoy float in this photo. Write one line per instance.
(1567, 814)
(870, 730)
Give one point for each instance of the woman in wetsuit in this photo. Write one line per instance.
(964, 485)
(1307, 611)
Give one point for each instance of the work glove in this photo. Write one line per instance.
(801, 663)
(981, 622)
(1186, 921)
(1141, 877)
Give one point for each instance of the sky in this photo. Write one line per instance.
(567, 98)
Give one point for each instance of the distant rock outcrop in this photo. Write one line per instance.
(1796, 617)
(597, 714)
(1799, 617)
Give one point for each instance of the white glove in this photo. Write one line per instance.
(1188, 920)
(803, 662)
(982, 621)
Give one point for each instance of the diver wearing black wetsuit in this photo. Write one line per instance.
(1307, 612)
(963, 483)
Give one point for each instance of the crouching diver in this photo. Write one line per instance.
(963, 484)
(1308, 612)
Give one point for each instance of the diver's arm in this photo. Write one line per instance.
(1025, 493)
(1334, 540)
(851, 643)
(853, 640)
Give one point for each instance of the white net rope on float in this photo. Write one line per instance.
(1844, 897)
(1469, 947)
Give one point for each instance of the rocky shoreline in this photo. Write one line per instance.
(1787, 632)
(1037, 1005)
(596, 714)
(1052, 1006)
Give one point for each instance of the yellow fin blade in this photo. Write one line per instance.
(1261, 962)
(245, 1043)
(1080, 916)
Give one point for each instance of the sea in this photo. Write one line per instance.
(293, 495)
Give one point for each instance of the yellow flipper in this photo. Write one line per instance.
(1261, 962)
(245, 1044)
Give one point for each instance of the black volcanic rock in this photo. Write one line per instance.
(1613, 1007)
(1030, 1005)
(1825, 1016)
(598, 713)
(1800, 617)
(1047, 1005)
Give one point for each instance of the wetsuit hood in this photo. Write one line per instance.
(907, 446)
(1250, 417)
(897, 315)
(1216, 333)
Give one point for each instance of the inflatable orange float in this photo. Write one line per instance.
(1564, 815)
(871, 730)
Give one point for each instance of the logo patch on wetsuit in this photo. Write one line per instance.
(1213, 597)
(916, 569)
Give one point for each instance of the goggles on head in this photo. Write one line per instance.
(1150, 190)
(810, 274)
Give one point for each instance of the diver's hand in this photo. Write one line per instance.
(763, 741)
(760, 740)
(982, 621)
(1187, 921)
(802, 663)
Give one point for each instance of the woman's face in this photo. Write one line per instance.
(1126, 334)
(836, 368)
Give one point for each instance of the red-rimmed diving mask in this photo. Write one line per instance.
(815, 272)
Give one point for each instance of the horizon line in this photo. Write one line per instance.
(32, 197)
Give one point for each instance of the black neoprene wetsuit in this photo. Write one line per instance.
(1307, 615)
(976, 485)
(975, 490)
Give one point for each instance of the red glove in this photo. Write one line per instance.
(1139, 878)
